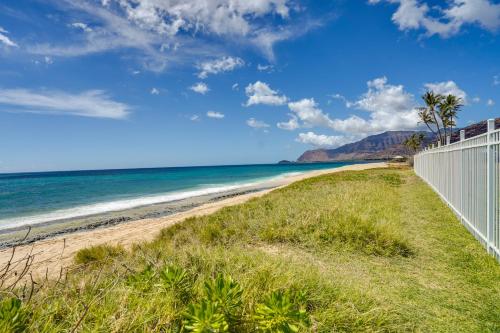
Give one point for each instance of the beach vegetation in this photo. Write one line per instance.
(277, 313)
(365, 251)
(98, 254)
(13, 315)
(177, 279)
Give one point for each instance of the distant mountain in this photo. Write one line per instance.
(474, 130)
(374, 147)
(385, 145)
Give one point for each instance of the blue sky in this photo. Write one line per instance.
(141, 83)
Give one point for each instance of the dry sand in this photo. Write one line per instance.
(50, 255)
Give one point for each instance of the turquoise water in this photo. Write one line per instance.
(31, 198)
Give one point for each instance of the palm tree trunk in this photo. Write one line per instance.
(437, 125)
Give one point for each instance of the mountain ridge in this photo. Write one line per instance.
(379, 146)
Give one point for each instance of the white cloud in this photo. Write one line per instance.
(4, 39)
(155, 91)
(476, 99)
(291, 124)
(447, 21)
(257, 124)
(265, 68)
(260, 93)
(200, 88)
(309, 113)
(496, 80)
(235, 87)
(490, 102)
(194, 117)
(224, 64)
(214, 114)
(82, 26)
(321, 140)
(92, 103)
(219, 17)
(389, 107)
(447, 88)
(338, 97)
(171, 31)
(48, 60)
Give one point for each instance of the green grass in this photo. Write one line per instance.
(98, 254)
(368, 251)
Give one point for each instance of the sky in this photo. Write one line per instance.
(95, 84)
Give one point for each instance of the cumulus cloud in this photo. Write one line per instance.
(444, 21)
(447, 88)
(321, 140)
(490, 102)
(200, 88)
(91, 103)
(308, 111)
(155, 91)
(389, 107)
(194, 117)
(224, 64)
(4, 39)
(214, 114)
(291, 124)
(260, 93)
(257, 124)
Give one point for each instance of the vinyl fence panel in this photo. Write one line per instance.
(466, 174)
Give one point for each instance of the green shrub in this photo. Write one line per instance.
(13, 317)
(279, 314)
(205, 317)
(98, 253)
(143, 279)
(226, 293)
(178, 280)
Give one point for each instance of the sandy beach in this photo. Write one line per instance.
(50, 255)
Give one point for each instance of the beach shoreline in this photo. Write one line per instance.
(55, 251)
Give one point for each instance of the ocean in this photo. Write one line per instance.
(40, 197)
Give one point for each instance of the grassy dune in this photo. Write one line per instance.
(367, 251)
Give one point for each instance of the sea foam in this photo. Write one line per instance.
(117, 205)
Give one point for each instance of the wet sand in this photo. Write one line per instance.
(53, 247)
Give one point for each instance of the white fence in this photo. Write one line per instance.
(466, 174)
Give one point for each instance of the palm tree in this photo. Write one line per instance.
(448, 109)
(414, 142)
(428, 114)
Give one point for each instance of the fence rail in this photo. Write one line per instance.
(466, 174)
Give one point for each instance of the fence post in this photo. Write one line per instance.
(489, 187)
(448, 140)
(462, 169)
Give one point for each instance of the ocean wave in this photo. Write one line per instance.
(117, 205)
